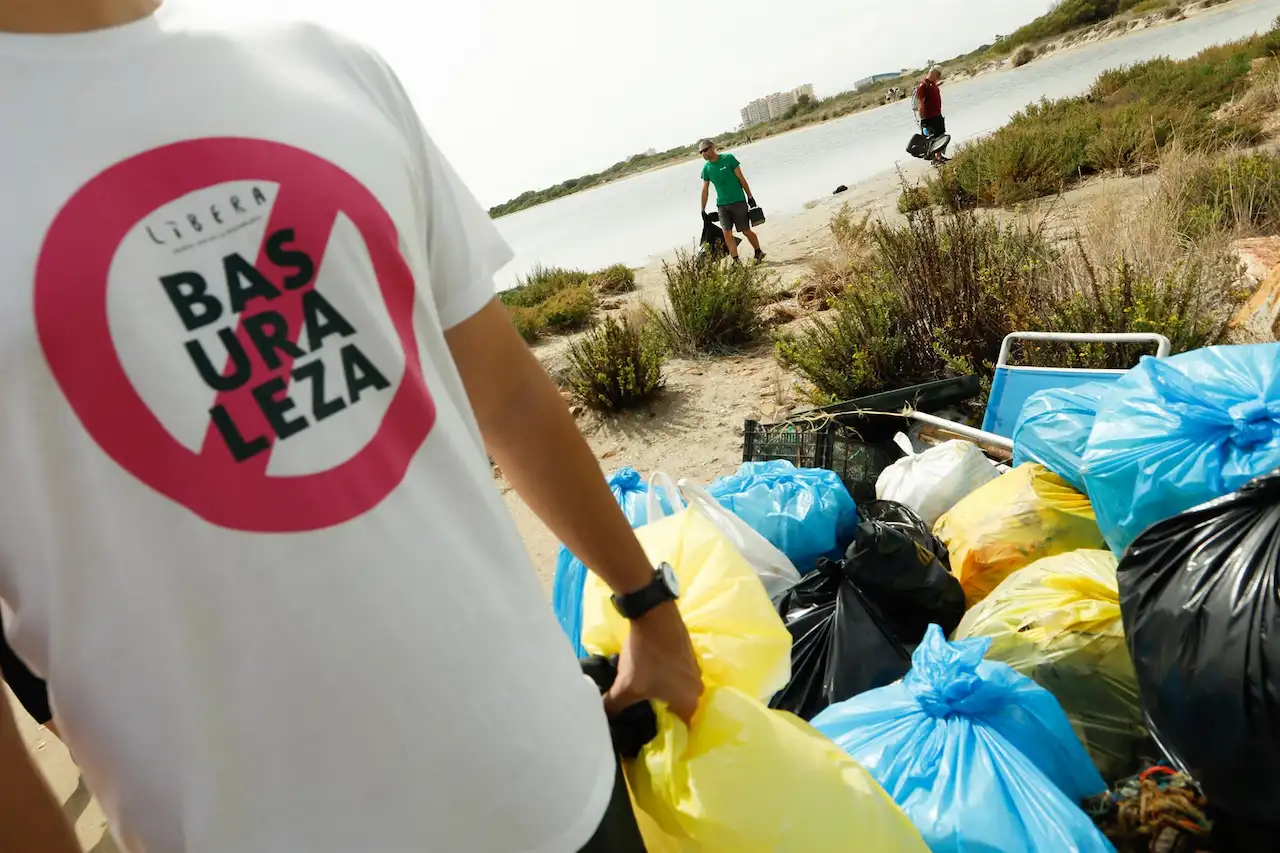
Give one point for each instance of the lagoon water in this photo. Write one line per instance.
(638, 218)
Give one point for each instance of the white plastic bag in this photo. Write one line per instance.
(775, 571)
(931, 483)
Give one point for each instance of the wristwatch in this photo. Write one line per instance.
(663, 588)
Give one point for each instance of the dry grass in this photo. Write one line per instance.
(850, 260)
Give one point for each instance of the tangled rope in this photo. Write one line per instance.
(1158, 811)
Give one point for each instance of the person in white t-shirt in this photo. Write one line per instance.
(248, 529)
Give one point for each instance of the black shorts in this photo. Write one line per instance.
(30, 689)
(734, 216)
(935, 126)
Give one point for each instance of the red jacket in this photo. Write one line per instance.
(930, 98)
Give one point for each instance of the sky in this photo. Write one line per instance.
(521, 95)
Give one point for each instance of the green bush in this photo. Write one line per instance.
(914, 197)
(617, 365)
(715, 305)
(859, 348)
(1190, 303)
(962, 280)
(1239, 194)
(1129, 117)
(528, 322)
(568, 309)
(540, 285)
(936, 294)
(618, 278)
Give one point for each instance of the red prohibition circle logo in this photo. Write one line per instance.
(272, 325)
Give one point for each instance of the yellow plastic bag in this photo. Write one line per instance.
(1058, 622)
(743, 778)
(1023, 516)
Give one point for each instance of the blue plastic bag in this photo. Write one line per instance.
(1054, 428)
(979, 757)
(806, 513)
(1174, 433)
(631, 492)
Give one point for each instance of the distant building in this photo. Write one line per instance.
(774, 106)
(877, 78)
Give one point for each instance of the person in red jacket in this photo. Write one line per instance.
(929, 108)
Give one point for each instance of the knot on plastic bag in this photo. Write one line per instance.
(626, 479)
(1252, 423)
(944, 676)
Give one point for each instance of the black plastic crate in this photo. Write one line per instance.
(821, 443)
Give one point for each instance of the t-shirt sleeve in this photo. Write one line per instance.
(733, 162)
(464, 249)
(705, 167)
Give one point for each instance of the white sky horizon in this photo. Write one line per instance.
(521, 96)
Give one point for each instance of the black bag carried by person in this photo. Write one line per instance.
(842, 644)
(755, 215)
(904, 569)
(1199, 599)
(918, 146)
(712, 237)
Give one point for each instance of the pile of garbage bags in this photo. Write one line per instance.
(736, 781)
(1112, 603)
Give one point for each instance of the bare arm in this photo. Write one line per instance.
(743, 180)
(30, 818)
(706, 194)
(533, 438)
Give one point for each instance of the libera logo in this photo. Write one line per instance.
(233, 210)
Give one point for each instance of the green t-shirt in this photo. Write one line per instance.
(720, 173)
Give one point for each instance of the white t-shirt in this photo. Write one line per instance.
(248, 529)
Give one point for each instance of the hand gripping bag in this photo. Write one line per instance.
(631, 492)
(1011, 522)
(1053, 429)
(743, 779)
(979, 757)
(932, 482)
(1200, 595)
(806, 513)
(1173, 433)
(1058, 622)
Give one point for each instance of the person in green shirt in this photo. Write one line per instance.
(733, 196)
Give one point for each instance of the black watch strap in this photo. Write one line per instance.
(659, 591)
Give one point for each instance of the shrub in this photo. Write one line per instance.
(914, 197)
(1239, 194)
(568, 309)
(963, 281)
(938, 294)
(1190, 303)
(1024, 55)
(528, 322)
(618, 278)
(540, 285)
(860, 348)
(714, 305)
(617, 365)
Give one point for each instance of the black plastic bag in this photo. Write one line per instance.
(841, 643)
(634, 727)
(905, 570)
(1198, 594)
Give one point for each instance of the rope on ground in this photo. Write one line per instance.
(1158, 811)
